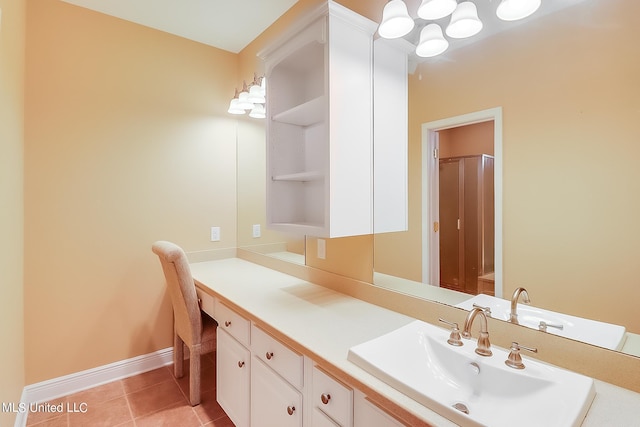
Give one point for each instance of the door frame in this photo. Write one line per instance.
(430, 191)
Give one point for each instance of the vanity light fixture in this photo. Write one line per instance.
(396, 21)
(512, 10)
(432, 41)
(436, 9)
(251, 98)
(464, 22)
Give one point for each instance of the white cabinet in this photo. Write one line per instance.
(390, 135)
(320, 419)
(206, 302)
(274, 402)
(320, 125)
(367, 414)
(332, 399)
(233, 367)
(277, 381)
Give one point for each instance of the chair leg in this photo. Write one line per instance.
(194, 375)
(178, 356)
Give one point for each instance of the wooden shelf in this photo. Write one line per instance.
(307, 114)
(299, 177)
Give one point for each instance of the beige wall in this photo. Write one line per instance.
(11, 199)
(569, 93)
(127, 142)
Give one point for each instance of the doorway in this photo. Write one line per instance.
(432, 133)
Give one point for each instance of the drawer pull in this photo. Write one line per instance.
(269, 355)
(240, 364)
(291, 410)
(326, 397)
(227, 323)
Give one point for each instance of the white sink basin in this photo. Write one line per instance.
(602, 334)
(417, 361)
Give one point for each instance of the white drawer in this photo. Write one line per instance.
(320, 419)
(236, 325)
(278, 356)
(332, 397)
(207, 302)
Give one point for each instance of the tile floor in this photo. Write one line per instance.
(152, 399)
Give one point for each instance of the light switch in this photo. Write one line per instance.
(215, 234)
(256, 230)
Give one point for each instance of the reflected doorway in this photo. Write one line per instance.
(462, 203)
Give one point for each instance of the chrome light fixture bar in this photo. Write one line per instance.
(396, 21)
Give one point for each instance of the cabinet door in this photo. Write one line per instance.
(233, 378)
(332, 397)
(274, 401)
(320, 419)
(366, 414)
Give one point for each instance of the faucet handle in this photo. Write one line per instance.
(486, 309)
(514, 360)
(544, 325)
(454, 337)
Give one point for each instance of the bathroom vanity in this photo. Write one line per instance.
(283, 346)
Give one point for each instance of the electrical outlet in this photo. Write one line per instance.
(215, 234)
(256, 230)
(322, 249)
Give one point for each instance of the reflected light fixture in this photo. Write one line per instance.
(436, 9)
(258, 112)
(251, 98)
(464, 22)
(233, 106)
(396, 21)
(432, 42)
(512, 10)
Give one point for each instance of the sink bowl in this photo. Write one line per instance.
(602, 334)
(473, 390)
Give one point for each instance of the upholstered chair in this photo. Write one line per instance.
(191, 327)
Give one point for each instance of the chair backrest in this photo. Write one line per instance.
(186, 311)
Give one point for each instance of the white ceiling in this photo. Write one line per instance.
(233, 24)
(226, 24)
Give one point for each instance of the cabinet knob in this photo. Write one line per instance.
(269, 355)
(291, 410)
(227, 323)
(240, 364)
(326, 397)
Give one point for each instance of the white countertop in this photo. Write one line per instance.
(326, 324)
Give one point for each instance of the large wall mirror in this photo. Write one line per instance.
(567, 88)
(567, 181)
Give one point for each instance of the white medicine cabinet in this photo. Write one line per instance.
(320, 127)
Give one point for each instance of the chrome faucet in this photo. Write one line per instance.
(513, 317)
(484, 346)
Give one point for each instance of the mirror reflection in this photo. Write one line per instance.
(566, 180)
(568, 88)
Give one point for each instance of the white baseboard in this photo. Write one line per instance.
(83, 380)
